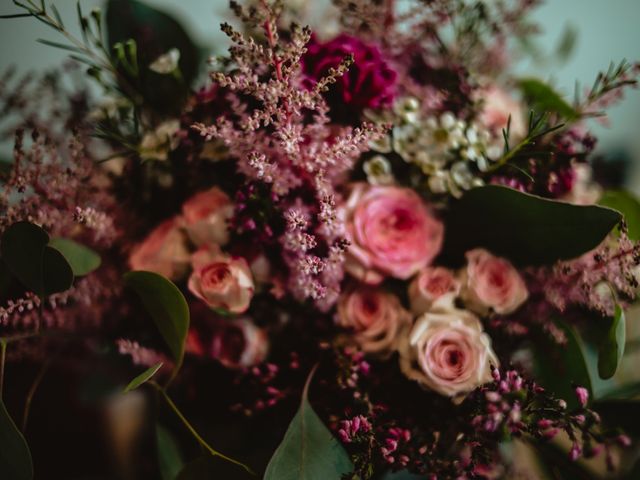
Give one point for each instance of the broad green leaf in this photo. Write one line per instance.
(560, 367)
(144, 377)
(542, 97)
(15, 457)
(169, 458)
(627, 204)
(82, 259)
(611, 348)
(308, 450)
(39, 267)
(166, 305)
(626, 391)
(525, 228)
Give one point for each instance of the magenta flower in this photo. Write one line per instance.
(369, 83)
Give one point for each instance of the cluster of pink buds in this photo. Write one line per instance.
(391, 444)
(349, 429)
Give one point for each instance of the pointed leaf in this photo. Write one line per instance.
(542, 97)
(40, 268)
(560, 367)
(612, 347)
(308, 450)
(627, 204)
(166, 305)
(144, 377)
(169, 458)
(82, 259)
(15, 457)
(525, 228)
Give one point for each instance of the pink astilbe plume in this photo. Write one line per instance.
(282, 138)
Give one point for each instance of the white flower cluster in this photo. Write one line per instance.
(448, 150)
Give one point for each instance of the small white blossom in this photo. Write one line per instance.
(378, 170)
(166, 63)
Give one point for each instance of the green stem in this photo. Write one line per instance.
(3, 356)
(193, 431)
(32, 392)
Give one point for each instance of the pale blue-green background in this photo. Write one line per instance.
(607, 30)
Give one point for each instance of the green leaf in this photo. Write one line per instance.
(527, 229)
(82, 259)
(627, 391)
(542, 97)
(144, 377)
(611, 348)
(308, 450)
(166, 305)
(627, 204)
(61, 46)
(15, 457)
(169, 457)
(39, 267)
(560, 367)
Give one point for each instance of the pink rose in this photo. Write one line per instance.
(433, 287)
(375, 316)
(239, 343)
(448, 352)
(392, 232)
(220, 280)
(498, 105)
(492, 282)
(163, 251)
(205, 217)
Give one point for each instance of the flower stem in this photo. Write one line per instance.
(32, 392)
(3, 356)
(194, 432)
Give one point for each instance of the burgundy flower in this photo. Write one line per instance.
(369, 83)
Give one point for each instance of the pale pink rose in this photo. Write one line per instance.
(376, 318)
(238, 343)
(392, 232)
(448, 353)
(497, 106)
(433, 287)
(220, 280)
(205, 217)
(492, 282)
(163, 251)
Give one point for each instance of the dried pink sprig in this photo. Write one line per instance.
(288, 143)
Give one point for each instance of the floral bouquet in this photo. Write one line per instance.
(361, 251)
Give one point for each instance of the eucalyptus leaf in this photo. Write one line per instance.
(166, 305)
(82, 259)
(144, 377)
(527, 229)
(542, 97)
(611, 348)
(560, 367)
(39, 267)
(15, 457)
(308, 450)
(627, 204)
(170, 461)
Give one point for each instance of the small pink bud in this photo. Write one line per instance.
(493, 396)
(583, 396)
(623, 440)
(544, 423)
(575, 452)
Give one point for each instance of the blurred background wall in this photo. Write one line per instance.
(606, 30)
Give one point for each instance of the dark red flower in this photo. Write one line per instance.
(369, 83)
